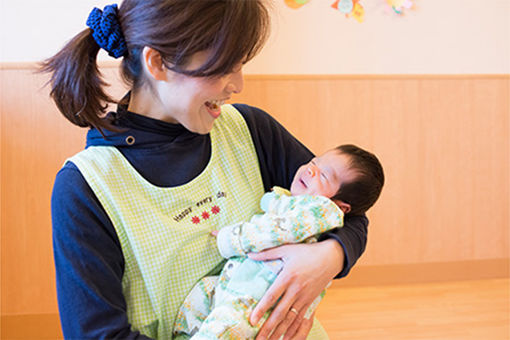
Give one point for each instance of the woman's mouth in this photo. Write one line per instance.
(214, 107)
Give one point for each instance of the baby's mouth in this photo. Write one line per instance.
(303, 183)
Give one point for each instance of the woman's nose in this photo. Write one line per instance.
(236, 82)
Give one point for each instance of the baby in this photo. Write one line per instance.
(344, 180)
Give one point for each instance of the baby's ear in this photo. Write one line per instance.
(345, 207)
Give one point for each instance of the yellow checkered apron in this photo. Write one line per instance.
(165, 232)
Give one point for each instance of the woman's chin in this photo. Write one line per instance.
(202, 129)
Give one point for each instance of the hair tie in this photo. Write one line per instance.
(106, 30)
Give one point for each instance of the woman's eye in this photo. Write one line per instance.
(324, 176)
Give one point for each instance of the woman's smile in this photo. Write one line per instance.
(214, 107)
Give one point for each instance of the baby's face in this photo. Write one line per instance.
(323, 175)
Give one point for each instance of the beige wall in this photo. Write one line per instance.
(438, 37)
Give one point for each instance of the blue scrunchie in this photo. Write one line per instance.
(106, 30)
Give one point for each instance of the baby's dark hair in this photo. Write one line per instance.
(364, 190)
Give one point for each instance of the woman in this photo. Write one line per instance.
(132, 213)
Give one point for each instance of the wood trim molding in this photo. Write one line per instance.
(31, 326)
(371, 76)
(27, 65)
(426, 272)
(106, 64)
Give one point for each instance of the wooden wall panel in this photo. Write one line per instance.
(444, 145)
(443, 141)
(35, 141)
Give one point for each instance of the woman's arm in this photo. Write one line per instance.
(88, 261)
(352, 237)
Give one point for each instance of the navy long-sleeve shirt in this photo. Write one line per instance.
(88, 256)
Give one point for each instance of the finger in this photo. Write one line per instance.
(214, 233)
(304, 329)
(282, 328)
(270, 254)
(294, 327)
(269, 299)
(278, 315)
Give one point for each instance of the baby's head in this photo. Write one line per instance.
(350, 176)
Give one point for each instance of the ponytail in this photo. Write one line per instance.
(76, 83)
(77, 86)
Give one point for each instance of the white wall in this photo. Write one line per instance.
(437, 37)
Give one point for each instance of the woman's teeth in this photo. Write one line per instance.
(215, 104)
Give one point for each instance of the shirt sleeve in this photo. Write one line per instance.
(280, 154)
(89, 263)
(353, 239)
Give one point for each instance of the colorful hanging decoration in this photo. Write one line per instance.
(354, 8)
(358, 12)
(344, 6)
(351, 8)
(295, 4)
(398, 5)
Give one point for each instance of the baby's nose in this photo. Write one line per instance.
(310, 170)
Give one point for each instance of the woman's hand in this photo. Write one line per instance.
(307, 270)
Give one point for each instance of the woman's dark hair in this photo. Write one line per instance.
(364, 190)
(233, 31)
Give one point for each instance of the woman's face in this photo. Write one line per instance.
(195, 102)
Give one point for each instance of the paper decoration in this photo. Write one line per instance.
(351, 8)
(344, 6)
(354, 8)
(295, 4)
(358, 12)
(399, 5)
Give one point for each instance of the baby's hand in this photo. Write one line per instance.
(214, 233)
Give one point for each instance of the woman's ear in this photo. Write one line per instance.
(345, 207)
(153, 64)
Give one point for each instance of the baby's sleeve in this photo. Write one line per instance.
(286, 220)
